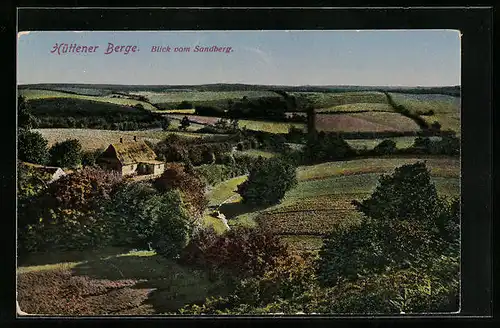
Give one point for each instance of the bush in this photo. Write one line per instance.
(268, 183)
(89, 157)
(405, 224)
(240, 252)
(66, 214)
(185, 105)
(190, 185)
(66, 154)
(32, 147)
(386, 147)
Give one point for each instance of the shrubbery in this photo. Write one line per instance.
(406, 225)
(66, 154)
(190, 185)
(267, 183)
(240, 252)
(32, 147)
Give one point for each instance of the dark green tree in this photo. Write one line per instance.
(32, 147)
(268, 182)
(66, 154)
(386, 147)
(185, 123)
(405, 225)
(25, 118)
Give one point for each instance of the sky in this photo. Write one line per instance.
(365, 58)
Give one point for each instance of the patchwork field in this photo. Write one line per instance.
(98, 139)
(322, 199)
(357, 107)
(266, 126)
(401, 142)
(446, 108)
(365, 122)
(34, 94)
(196, 96)
(329, 99)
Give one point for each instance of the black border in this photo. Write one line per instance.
(475, 25)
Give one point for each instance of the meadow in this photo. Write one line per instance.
(200, 96)
(329, 99)
(321, 200)
(446, 108)
(34, 94)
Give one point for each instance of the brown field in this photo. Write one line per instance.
(365, 122)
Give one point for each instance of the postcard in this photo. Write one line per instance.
(273, 172)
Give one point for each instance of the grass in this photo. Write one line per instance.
(267, 126)
(446, 108)
(34, 94)
(329, 99)
(225, 190)
(99, 139)
(257, 153)
(441, 166)
(196, 96)
(171, 285)
(210, 221)
(321, 201)
(256, 125)
(401, 142)
(356, 107)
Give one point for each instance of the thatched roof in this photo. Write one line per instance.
(132, 152)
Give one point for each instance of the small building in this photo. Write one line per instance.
(128, 158)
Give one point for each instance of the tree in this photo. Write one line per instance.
(405, 224)
(234, 124)
(386, 147)
(267, 183)
(185, 105)
(32, 147)
(89, 157)
(190, 185)
(436, 126)
(222, 124)
(25, 118)
(185, 123)
(165, 123)
(66, 215)
(66, 154)
(137, 214)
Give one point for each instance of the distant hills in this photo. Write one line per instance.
(448, 90)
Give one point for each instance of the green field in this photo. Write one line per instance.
(34, 94)
(330, 99)
(446, 108)
(401, 142)
(321, 200)
(257, 153)
(356, 107)
(97, 139)
(200, 96)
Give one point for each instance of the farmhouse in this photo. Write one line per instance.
(128, 158)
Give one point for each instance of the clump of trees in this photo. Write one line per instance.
(67, 154)
(326, 147)
(191, 186)
(32, 147)
(267, 183)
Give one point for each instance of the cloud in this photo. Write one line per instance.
(266, 58)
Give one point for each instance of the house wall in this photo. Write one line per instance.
(159, 168)
(129, 169)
